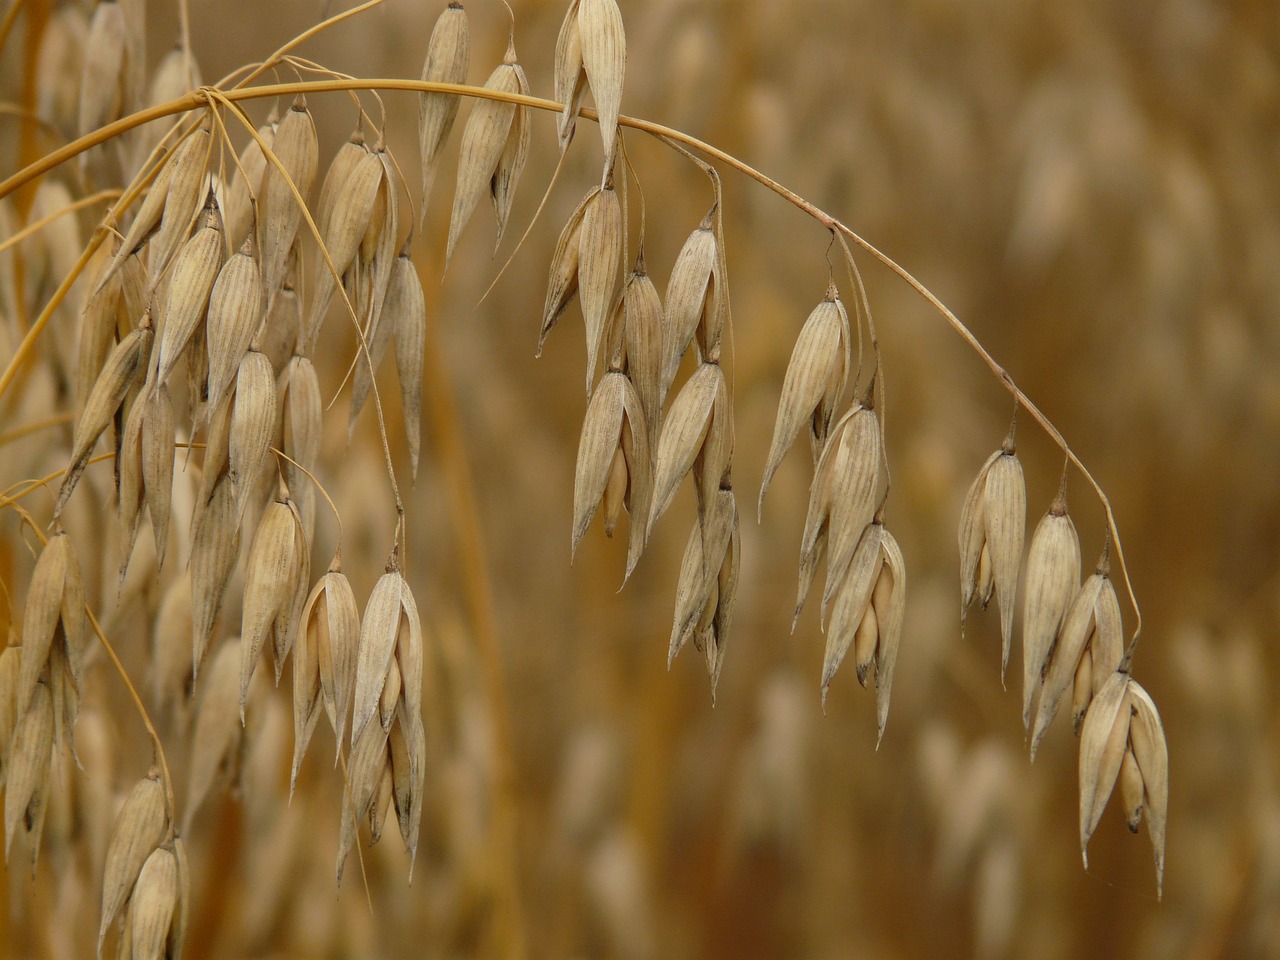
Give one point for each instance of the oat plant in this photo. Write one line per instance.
(181, 359)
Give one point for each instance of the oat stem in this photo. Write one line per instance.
(44, 221)
(17, 433)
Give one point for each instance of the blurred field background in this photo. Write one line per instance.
(1093, 189)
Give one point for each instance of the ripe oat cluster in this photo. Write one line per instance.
(203, 298)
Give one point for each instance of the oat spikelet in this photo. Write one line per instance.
(447, 58)
(562, 284)
(53, 617)
(992, 531)
(246, 183)
(1151, 754)
(708, 585)
(613, 464)
(1053, 578)
(296, 148)
(217, 733)
(153, 906)
(124, 367)
(390, 619)
(696, 414)
(184, 190)
(601, 242)
(254, 418)
(409, 308)
(139, 829)
(236, 306)
(271, 580)
(570, 78)
(27, 772)
(693, 290)
(604, 60)
(405, 303)
(194, 272)
(642, 339)
(102, 82)
(1103, 741)
(495, 144)
(215, 548)
(331, 624)
(346, 206)
(1094, 617)
(146, 472)
(842, 499)
(814, 382)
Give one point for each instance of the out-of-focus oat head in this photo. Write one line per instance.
(339, 620)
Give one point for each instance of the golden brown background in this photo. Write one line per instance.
(1094, 188)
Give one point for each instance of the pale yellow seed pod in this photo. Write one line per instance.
(139, 829)
(153, 906)
(814, 381)
(1053, 578)
(448, 53)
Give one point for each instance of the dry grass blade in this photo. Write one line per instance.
(158, 425)
(599, 441)
(447, 57)
(407, 741)
(139, 829)
(98, 325)
(604, 60)
(814, 382)
(369, 756)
